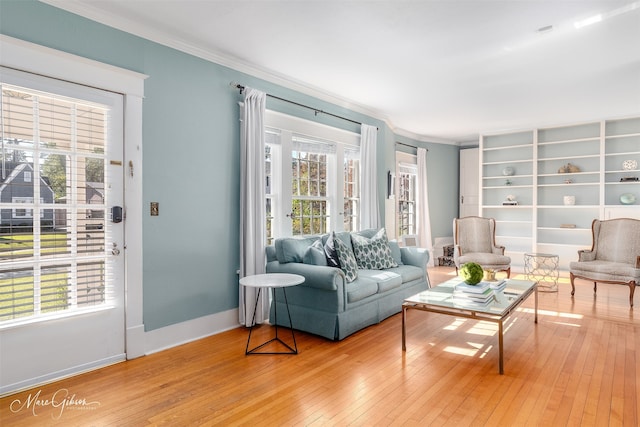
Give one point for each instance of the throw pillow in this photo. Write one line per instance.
(373, 253)
(330, 251)
(348, 262)
(395, 252)
(315, 254)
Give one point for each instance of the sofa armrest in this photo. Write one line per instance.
(415, 256)
(586, 255)
(316, 276)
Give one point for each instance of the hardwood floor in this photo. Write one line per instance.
(578, 366)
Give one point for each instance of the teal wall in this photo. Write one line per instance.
(191, 158)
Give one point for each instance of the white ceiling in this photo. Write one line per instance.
(432, 69)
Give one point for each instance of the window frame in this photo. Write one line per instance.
(406, 164)
(281, 196)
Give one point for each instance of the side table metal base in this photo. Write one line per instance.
(255, 350)
(543, 269)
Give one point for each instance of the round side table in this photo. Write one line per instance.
(272, 281)
(543, 269)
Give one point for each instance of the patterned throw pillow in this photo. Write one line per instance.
(373, 253)
(348, 262)
(330, 251)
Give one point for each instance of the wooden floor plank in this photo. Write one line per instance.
(578, 366)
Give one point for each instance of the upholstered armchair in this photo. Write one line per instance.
(474, 240)
(614, 256)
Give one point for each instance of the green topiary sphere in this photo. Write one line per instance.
(471, 273)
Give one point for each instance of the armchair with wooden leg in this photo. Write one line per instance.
(474, 240)
(614, 256)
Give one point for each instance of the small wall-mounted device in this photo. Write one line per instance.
(155, 209)
(116, 214)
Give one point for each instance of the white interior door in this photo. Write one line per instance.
(61, 258)
(469, 182)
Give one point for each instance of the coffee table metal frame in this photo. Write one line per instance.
(272, 281)
(440, 300)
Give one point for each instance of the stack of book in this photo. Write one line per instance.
(499, 285)
(480, 295)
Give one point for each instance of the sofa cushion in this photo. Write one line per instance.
(314, 254)
(360, 289)
(408, 272)
(395, 251)
(330, 251)
(348, 262)
(373, 253)
(385, 279)
(292, 249)
(607, 269)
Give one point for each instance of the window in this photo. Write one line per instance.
(52, 159)
(24, 212)
(312, 178)
(406, 182)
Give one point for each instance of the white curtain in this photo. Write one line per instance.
(370, 214)
(423, 222)
(252, 205)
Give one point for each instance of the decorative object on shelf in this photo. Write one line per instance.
(569, 168)
(628, 199)
(568, 181)
(508, 171)
(511, 201)
(567, 226)
(569, 200)
(629, 179)
(507, 182)
(630, 165)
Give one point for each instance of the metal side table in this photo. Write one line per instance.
(272, 281)
(543, 269)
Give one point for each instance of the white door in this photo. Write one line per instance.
(61, 257)
(469, 182)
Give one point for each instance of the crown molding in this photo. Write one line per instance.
(84, 9)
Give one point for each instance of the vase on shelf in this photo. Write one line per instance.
(569, 200)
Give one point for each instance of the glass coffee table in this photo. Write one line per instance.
(441, 299)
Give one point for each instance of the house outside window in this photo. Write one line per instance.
(312, 178)
(24, 212)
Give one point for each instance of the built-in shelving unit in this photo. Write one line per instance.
(499, 184)
(562, 178)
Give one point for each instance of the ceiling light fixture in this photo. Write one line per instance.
(545, 29)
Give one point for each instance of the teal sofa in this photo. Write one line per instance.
(328, 305)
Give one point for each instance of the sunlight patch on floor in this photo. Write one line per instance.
(461, 351)
(551, 313)
(486, 329)
(454, 325)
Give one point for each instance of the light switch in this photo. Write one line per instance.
(155, 208)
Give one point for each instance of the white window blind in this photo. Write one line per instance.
(52, 258)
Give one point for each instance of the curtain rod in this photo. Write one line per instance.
(407, 145)
(315, 110)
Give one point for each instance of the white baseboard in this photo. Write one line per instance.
(59, 375)
(182, 333)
